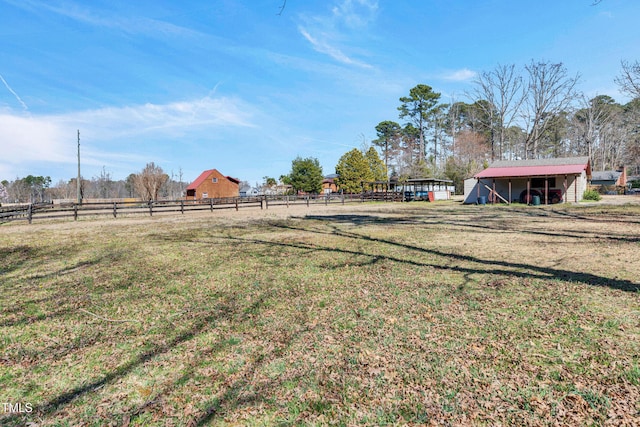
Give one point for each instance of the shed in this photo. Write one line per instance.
(428, 189)
(552, 180)
(211, 184)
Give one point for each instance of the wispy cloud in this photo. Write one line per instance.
(85, 15)
(323, 46)
(459, 75)
(355, 13)
(172, 117)
(24, 106)
(327, 33)
(119, 131)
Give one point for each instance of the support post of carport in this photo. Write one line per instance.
(510, 191)
(575, 186)
(564, 196)
(478, 187)
(546, 190)
(493, 197)
(528, 191)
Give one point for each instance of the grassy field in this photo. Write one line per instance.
(376, 314)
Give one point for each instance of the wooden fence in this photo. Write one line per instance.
(48, 211)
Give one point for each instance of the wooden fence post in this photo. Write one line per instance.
(150, 207)
(236, 204)
(30, 212)
(75, 212)
(307, 196)
(115, 209)
(211, 204)
(182, 207)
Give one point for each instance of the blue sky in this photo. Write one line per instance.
(232, 85)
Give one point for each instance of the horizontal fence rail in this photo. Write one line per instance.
(48, 211)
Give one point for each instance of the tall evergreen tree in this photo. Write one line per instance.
(389, 136)
(353, 169)
(305, 175)
(377, 168)
(418, 107)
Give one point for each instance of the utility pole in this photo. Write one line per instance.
(79, 194)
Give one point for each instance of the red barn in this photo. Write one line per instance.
(211, 184)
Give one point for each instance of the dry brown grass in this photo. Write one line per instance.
(371, 314)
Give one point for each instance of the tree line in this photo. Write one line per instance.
(151, 183)
(528, 112)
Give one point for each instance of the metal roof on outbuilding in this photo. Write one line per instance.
(203, 177)
(536, 168)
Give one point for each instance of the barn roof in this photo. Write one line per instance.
(200, 179)
(203, 177)
(536, 168)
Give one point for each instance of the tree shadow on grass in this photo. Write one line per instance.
(15, 257)
(62, 301)
(589, 215)
(573, 234)
(232, 395)
(67, 397)
(486, 220)
(363, 219)
(334, 225)
(515, 269)
(237, 394)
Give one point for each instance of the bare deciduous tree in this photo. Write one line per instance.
(104, 185)
(503, 89)
(592, 119)
(149, 182)
(629, 80)
(550, 90)
(4, 195)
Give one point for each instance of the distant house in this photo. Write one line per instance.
(254, 191)
(245, 190)
(329, 183)
(610, 178)
(552, 180)
(211, 184)
(283, 189)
